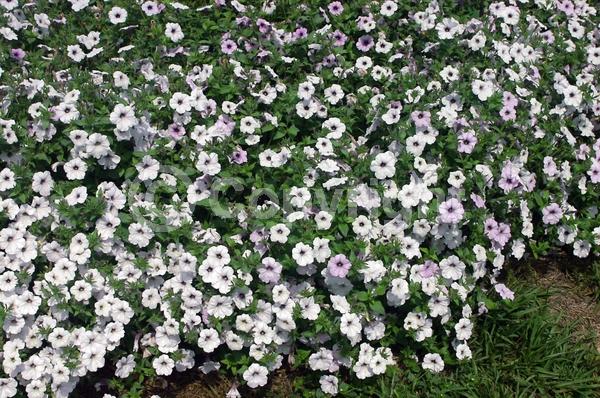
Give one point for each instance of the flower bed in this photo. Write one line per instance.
(329, 186)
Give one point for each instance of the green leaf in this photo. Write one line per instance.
(377, 307)
(343, 229)
(293, 131)
(362, 296)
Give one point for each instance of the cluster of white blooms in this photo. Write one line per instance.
(245, 187)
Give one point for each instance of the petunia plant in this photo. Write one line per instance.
(241, 187)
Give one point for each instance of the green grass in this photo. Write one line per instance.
(521, 350)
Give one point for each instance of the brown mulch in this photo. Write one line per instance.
(570, 297)
(195, 384)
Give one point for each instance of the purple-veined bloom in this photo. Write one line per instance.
(478, 201)
(594, 172)
(224, 126)
(17, 54)
(534, 74)
(339, 38)
(176, 131)
(428, 269)
(421, 118)
(257, 235)
(335, 8)
(466, 142)
(263, 25)
(363, 21)
(552, 214)
(228, 46)
(550, 168)
(509, 100)
(365, 43)
(565, 6)
(548, 36)
(244, 21)
(583, 152)
(329, 61)
(451, 211)
(489, 226)
(508, 114)
(509, 178)
(339, 266)
(504, 291)
(270, 270)
(300, 33)
(499, 234)
(239, 156)
(152, 8)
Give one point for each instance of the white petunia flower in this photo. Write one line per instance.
(117, 15)
(123, 117)
(256, 375)
(75, 169)
(384, 165)
(148, 168)
(208, 340)
(140, 234)
(302, 254)
(208, 163)
(482, 89)
(163, 365)
(433, 363)
(173, 32)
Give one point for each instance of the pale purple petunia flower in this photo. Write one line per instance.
(451, 211)
(509, 178)
(228, 46)
(508, 114)
(17, 53)
(550, 168)
(339, 38)
(421, 118)
(329, 61)
(509, 100)
(489, 226)
(548, 37)
(257, 235)
(300, 33)
(263, 25)
(363, 21)
(466, 142)
(335, 8)
(594, 172)
(478, 201)
(243, 21)
(504, 291)
(270, 270)
(239, 156)
(365, 43)
(176, 131)
(339, 266)
(583, 152)
(565, 6)
(500, 234)
(552, 214)
(428, 269)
